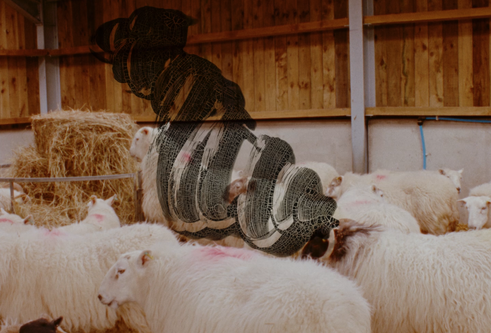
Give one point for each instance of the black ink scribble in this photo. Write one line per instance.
(283, 205)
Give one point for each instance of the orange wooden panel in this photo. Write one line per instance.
(304, 60)
(343, 98)
(480, 44)
(465, 58)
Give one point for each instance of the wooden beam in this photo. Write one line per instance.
(279, 30)
(12, 121)
(432, 16)
(24, 53)
(68, 51)
(472, 111)
(30, 9)
(276, 115)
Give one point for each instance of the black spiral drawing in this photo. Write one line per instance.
(283, 205)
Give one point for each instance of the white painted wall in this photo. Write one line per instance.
(12, 138)
(393, 144)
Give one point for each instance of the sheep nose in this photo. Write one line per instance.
(99, 297)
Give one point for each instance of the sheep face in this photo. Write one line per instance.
(334, 188)
(122, 281)
(141, 142)
(478, 208)
(454, 175)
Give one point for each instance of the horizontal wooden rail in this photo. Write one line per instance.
(13, 121)
(433, 16)
(408, 111)
(276, 115)
(464, 111)
(279, 30)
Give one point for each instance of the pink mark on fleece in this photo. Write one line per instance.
(185, 157)
(98, 217)
(219, 252)
(381, 177)
(54, 232)
(6, 220)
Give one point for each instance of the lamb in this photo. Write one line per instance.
(101, 216)
(49, 272)
(429, 196)
(239, 291)
(415, 282)
(477, 205)
(366, 205)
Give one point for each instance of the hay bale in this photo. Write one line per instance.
(70, 144)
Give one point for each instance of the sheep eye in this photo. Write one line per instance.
(121, 271)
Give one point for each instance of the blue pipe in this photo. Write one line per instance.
(459, 119)
(420, 122)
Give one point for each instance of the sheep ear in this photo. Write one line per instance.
(111, 200)
(145, 131)
(377, 190)
(57, 322)
(29, 220)
(462, 201)
(461, 171)
(93, 199)
(3, 211)
(18, 188)
(337, 181)
(144, 258)
(441, 171)
(333, 235)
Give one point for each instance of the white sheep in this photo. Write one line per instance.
(325, 172)
(15, 223)
(55, 273)
(184, 288)
(478, 209)
(454, 175)
(141, 142)
(366, 205)
(429, 196)
(415, 282)
(477, 205)
(147, 149)
(100, 216)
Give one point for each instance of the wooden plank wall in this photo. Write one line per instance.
(432, 64)
(19, 78)
(297, 72)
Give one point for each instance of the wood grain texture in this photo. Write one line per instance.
(465, 58)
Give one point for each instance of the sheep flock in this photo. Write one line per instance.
(394, 263)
